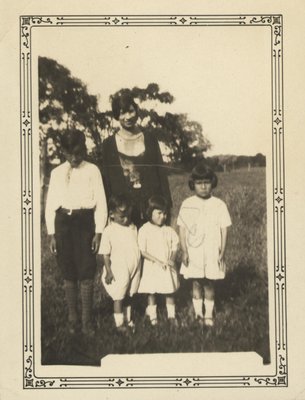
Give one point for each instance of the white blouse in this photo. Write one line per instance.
(76, 188)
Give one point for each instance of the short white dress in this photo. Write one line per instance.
(160, 242)
(121, 243)
(203, 220)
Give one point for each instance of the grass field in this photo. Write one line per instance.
(241, 302)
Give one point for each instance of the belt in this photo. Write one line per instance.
(79, 211)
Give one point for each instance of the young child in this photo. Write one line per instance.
(76, 214)
(158, 244)
(119, 247)
(203, 221)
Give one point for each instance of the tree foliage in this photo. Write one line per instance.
(64, 102)
(231, 162)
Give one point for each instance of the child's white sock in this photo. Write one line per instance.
(127, 311)
(209, 306)
(118, 319)
(171, 312)
(197, 303)
(151, 311)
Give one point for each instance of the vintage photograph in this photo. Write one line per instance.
(153, 191)
(152, 204)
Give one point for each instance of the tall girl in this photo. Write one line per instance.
(203, 221)
(158, 244)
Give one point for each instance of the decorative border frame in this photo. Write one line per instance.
(274, 22)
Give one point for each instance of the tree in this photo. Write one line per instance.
(64, 102)
(259, 160)
(228, 162)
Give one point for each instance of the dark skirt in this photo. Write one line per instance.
(74, 234)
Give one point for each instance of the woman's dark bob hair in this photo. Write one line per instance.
(156, 203)
(200, 172)
(121, 102)
(73, 141)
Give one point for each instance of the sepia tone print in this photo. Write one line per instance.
(241, 299)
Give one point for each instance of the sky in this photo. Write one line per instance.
(219, 76)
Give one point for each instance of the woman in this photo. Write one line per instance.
(132, 160)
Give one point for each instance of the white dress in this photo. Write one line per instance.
(160, 242)
(203, 220)
(121, 243)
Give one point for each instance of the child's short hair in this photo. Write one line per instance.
(121, 102)
(156, 203)
(202, 171)
(72, 140)
(118, 200)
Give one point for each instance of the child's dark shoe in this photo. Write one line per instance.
(173, 322)
(200, 320)
(121, 329)
(153, 321)
(131, 326)
(88, 329)
(73, 326)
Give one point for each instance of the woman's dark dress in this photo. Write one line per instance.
(147, 175)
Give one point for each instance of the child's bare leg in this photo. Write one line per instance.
(118, 306)
(209, 289)
(127, 310)
(197, 299)
(151, 299)
(151, 309)
(209, 295)
(170, 306)
(118, 313)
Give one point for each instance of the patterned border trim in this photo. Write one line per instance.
(276, 29)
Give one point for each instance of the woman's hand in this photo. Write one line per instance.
(96, 243)
(53, 244)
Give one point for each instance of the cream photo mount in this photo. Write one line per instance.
(32, 379)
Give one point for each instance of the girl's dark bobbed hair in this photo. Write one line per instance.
(72, 140)
(156, 203)
(118, 200)
(202, 171)
(122, 101)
